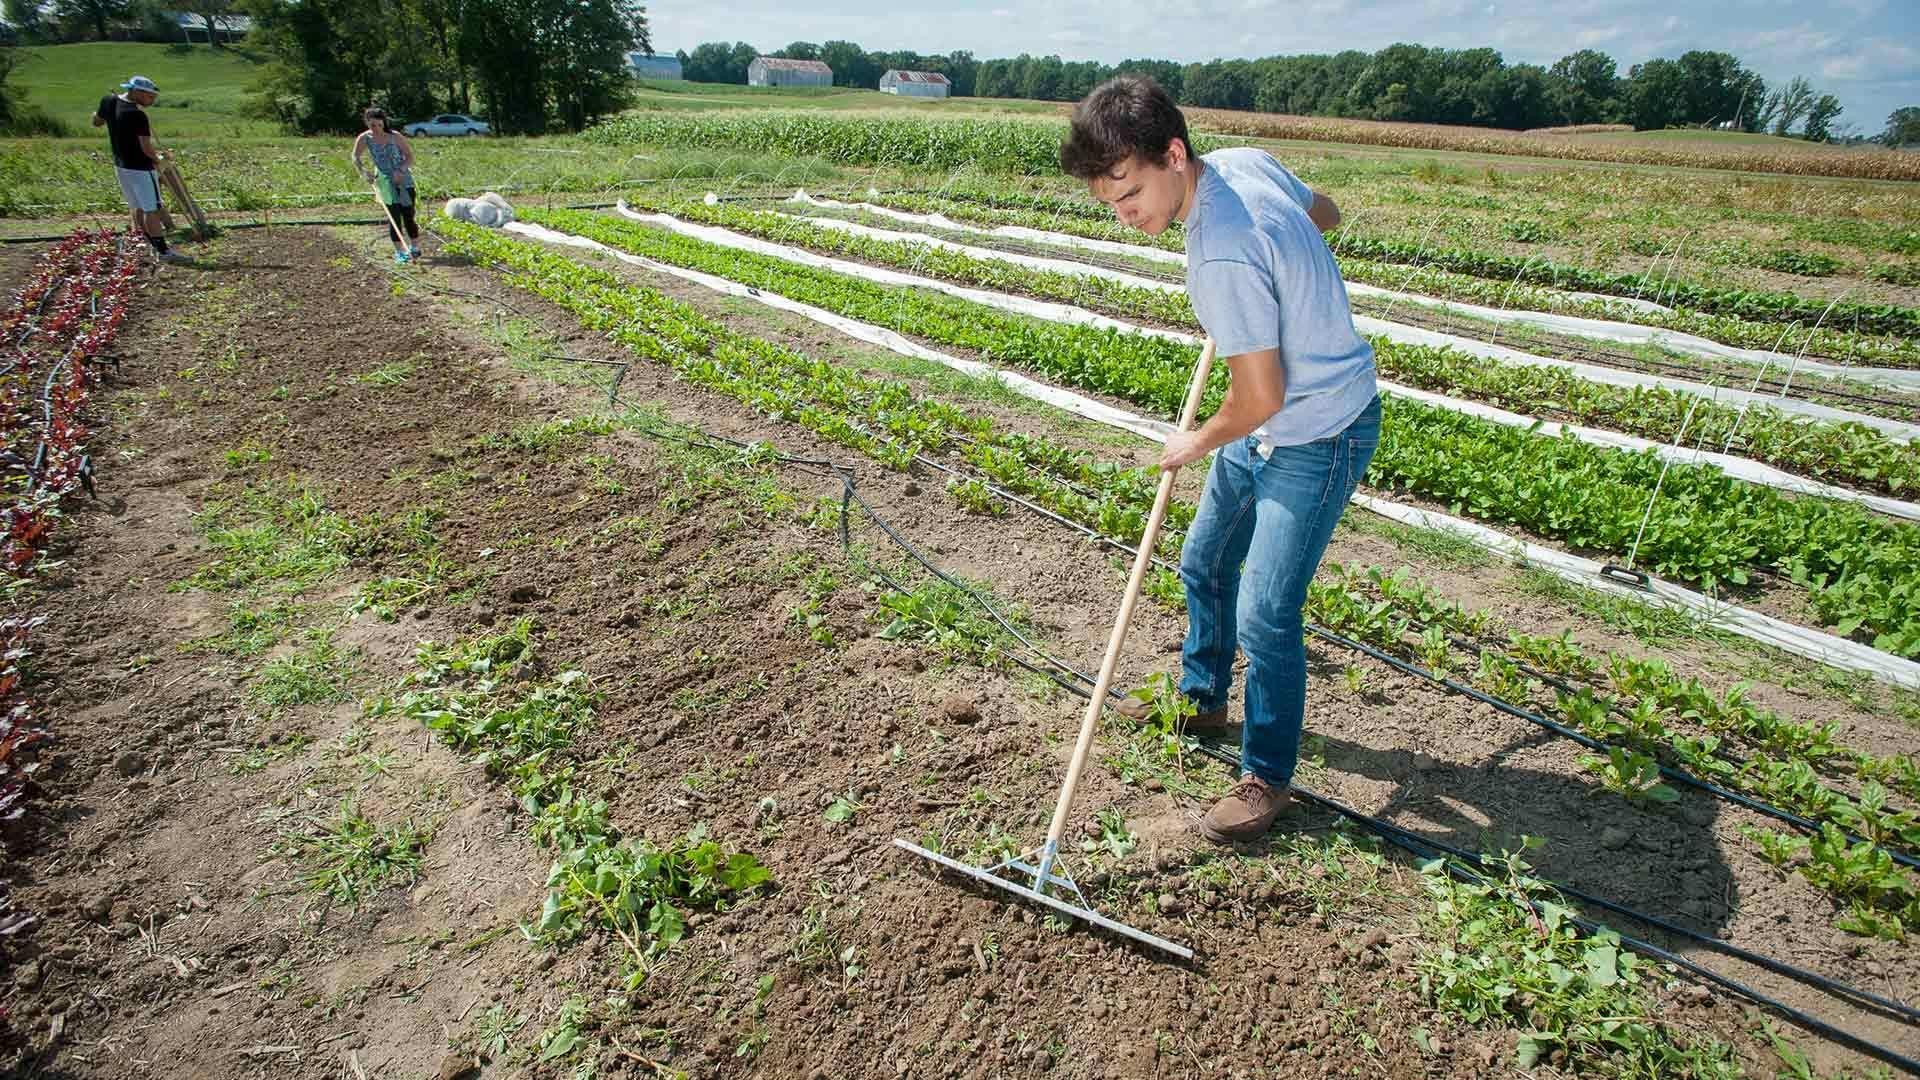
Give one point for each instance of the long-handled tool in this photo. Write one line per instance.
(380, 196)
(1048, 872)
(170, 176)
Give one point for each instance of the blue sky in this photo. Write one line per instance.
(1866, 52)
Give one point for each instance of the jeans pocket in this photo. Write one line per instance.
(1359, 456)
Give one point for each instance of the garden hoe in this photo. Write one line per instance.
(1047, 872)
(176, 185)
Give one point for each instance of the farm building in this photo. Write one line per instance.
(775, 71)
(665, 66)
(196, 28)
(915, 83)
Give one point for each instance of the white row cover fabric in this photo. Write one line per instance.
(1738, 467)
(1408, 335)
(1067, 400)
(1800, 641)
(1569, 325)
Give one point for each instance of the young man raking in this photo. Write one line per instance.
(1294, 435)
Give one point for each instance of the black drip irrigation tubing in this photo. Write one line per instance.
(1614, 705)
(1412, 842)
(33, 321)
(1677, 775)
(1680, 776)
(1420, 845)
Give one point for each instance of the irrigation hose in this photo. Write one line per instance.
(1677, 775)
(1415, 843)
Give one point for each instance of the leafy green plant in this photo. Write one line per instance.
(1501, 949)
(1861, 873)
(495, 1030)
(349, 857)
(842, 809)
(1630, 774)
(635, 890)
(975, 497)
(937, 614)
(1525, 231)
(564, 1036)
(1115, 840)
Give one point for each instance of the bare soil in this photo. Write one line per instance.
(176, 936)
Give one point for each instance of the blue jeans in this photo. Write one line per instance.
(1257, 539)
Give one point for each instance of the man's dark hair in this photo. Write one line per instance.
(1125, 116)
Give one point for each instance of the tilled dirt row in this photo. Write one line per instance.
(178, 939)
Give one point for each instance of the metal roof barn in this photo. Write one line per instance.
(929, 84)
(776, 71)
(659, 66)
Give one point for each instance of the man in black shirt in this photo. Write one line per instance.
(135, 157)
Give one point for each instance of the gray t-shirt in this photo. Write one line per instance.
(1260, 277)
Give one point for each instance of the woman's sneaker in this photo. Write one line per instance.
(400, 258)
(413, 252)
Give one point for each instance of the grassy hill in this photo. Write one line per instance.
(202, 90)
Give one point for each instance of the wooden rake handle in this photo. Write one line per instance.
(391, 221)
(1142, 559)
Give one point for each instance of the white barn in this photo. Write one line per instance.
(658, 66)
(777, 71)
(930, 84)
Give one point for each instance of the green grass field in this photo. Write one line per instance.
(1595, 213)
(202, 90)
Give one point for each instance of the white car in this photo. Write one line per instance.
(448, 124)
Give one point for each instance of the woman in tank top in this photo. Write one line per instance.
(393, 174)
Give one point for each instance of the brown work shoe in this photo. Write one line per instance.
(1211, 723)
(1246, 813)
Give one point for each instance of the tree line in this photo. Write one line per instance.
(1404, 82)
(530, 66)
(542, 65)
